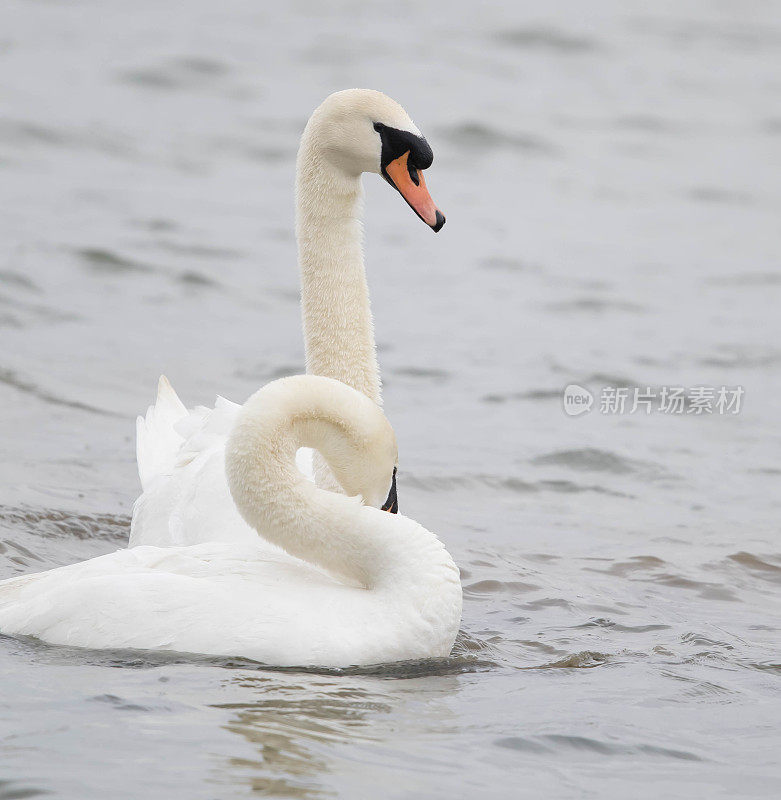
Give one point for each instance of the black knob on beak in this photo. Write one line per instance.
(392, 503)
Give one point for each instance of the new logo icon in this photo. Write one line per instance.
(577, 400)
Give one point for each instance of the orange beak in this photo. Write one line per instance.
(411, 185)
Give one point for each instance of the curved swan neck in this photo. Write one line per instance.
(325, 528)
(336, 311)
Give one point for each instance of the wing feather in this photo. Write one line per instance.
(157, 441)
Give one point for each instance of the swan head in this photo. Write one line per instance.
(343, 424)
(362, 130)
(362, 452)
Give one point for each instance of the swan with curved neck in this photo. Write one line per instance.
(349, 584)
(181, 454)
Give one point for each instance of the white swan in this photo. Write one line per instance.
(185, 497)
(347, 583)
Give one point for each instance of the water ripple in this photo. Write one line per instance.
(552, 39)
(51, 523)
(10, 378)
(553, 743)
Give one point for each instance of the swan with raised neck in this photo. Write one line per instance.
(351, 132)
(180, 452)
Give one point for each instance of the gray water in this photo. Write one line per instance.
(610, 174)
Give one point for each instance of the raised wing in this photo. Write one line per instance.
(181, 458)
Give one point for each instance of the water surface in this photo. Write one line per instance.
(612, 192)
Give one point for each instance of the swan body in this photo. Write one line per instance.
(181, 453)
(259, 531)
(218, 599)
(328, 580)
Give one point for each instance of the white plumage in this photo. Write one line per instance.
(330, 581)
(157, 440)
(234, 550)
(181, 463)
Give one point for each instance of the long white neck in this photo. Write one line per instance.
(322, 527)
(338, 325)
(333, 531)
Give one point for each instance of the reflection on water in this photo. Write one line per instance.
(612, 220)
(290, 723)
